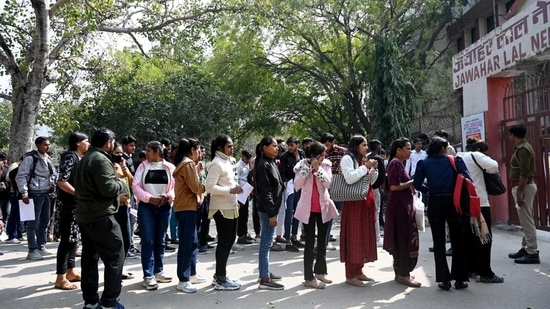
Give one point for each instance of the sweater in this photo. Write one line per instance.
(188, 186)
(221, 178)
(490, 165)
(141, 172)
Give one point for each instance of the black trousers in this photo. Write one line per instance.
(320, 267)
(122, 217)
(203, 223)
(66, 252)
(242, 221)
(227, 230)
(479, 255)
(440, 211)
(102, 239)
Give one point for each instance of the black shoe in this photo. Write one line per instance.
(274, 277)
(298, 244)
(249, 237)
(203, 250)
(135, 250)
(459, 285)
(444, 285)
(175, 241)
(449, 252)
(528, 259)
(270, 285)
(518, 254)
(244, 241)
(210, 238)
(331, 238)
(169, 249)
(431, 249)
(209, 246)
(291, 248)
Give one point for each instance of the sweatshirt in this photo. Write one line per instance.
(188, 186)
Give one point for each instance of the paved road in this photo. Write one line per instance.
(29, 284)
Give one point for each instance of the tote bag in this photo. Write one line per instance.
(341, 191)
(493, 182)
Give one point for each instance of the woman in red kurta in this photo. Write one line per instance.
(357, 232)
(401, 234)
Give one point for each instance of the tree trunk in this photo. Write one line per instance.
(25, 112)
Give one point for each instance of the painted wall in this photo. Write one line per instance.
(475, 97)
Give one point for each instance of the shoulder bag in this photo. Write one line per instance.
(341, 191)
(493, 182)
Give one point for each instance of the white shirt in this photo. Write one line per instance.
(410, 165)
(490, 166)
(242, 173)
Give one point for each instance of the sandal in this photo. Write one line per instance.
(364, 278)
(493, 279)
(355, 282)
(65, 285)
(408, 281)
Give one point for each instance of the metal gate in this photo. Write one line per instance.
(527, 101)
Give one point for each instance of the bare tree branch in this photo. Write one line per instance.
(138, 45)
(8, 60)
(56, 6)
(6, 97)
(166, 23)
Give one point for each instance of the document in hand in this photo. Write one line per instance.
(26, 211)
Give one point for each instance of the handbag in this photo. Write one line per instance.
(419, 212)
(341, 191)
(493, 182)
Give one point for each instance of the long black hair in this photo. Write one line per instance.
(353, 147)
(435, 145)
(266, 141)
(75, 138)
(218, 142)
(184, 148)
(397, 144)
(315, 149)
(473, 144)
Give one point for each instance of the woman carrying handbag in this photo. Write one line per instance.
(357, 232)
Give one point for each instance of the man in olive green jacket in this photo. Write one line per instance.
(97, 190)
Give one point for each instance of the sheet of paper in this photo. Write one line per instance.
(247, 188)
(3, 236)
(26, 211)
(133, 212)
(290, 187)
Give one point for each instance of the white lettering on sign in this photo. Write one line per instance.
(521, 37)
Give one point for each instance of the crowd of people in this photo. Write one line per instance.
(100, 192)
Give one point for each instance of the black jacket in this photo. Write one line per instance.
(288, 161)
(381, 170)
(269, 187)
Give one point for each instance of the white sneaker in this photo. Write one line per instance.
(46, 252)
(150, 284)
(237, 247)
(34, 255)
(161, 278)
(186, 287)
(196, 279)
(14, 241)
(330, 247)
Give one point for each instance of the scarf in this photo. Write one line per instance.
(480, 229)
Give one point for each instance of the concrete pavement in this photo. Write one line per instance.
(29, 284)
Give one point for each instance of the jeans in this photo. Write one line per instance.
(315, 219)
(101, 239)
(227, 230)
(37, 228)
(173, 225)
(188, 245)
(15, 226)
(153, 222)
(291, 223)
(266, 239)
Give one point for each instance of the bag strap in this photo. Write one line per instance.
(475, 161)
(452, 160)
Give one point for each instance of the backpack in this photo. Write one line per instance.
(465, 196)
(33, 167)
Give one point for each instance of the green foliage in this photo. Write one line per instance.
(6, 112)
(393, 95)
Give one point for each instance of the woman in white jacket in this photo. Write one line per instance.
(315, 208)
(357, 226)
(479, 253)
(221, 183)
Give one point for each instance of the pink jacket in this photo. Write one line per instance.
(137, 185)
(303, 179)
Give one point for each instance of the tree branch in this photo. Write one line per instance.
(8, 60)
(166, 23)
(55, 7)
(6, 97)
(138, 45)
